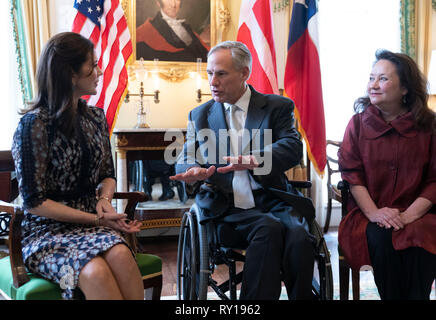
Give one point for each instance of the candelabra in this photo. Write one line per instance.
(141, 74)
(198, 81)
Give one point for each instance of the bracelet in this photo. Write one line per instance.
(103, 197)
(97, 220)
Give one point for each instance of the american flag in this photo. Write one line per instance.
(256, 32)
(104, 23)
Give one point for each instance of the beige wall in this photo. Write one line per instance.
(433, 28)
(233, 7)
(176, 100)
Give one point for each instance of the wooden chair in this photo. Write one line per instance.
(344, 267)
(17, 284)
(333, 193)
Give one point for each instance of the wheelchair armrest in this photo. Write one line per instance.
(19, 273)
(300, 184)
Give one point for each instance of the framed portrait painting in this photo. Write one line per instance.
(172, 30)
(176, 32)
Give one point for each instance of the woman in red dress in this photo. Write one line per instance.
(388, 156)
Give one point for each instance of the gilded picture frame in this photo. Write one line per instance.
(179, 70)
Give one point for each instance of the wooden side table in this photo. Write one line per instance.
(147, 144)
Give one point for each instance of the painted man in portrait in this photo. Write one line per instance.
(168, 38)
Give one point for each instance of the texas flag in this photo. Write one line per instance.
(303, 80)
(255, 30)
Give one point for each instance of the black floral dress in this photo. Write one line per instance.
(51, 166)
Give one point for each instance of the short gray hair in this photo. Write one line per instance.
(241, 56)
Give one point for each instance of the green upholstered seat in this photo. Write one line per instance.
(148, 264)
(41, 289)
(36, 289)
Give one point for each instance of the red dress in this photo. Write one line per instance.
(396, 162)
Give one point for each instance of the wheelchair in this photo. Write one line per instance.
(199, 253)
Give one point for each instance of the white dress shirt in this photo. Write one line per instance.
(178, 28)
(242, 103)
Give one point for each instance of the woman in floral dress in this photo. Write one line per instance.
(71, 232)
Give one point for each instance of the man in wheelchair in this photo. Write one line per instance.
(243, 182)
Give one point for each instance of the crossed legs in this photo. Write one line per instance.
(112, 276)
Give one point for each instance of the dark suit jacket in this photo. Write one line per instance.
(147, 45)
(264, 112)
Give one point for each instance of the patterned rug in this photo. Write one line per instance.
(368, 291)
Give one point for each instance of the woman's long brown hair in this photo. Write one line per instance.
(63, 55)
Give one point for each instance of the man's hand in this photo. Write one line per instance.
(239, 163)
(194, 174)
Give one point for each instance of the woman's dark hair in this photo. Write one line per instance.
(411, 78)
(63, 54)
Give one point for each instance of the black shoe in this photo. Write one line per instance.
(167, 194)
(183, 197)
(148, 187)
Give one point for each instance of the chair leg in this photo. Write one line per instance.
(355, 280)
(344, 278)
(329, 214)
(153, 288)
(232, 279)
(153, 293)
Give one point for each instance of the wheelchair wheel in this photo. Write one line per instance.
(192, 258)
(322, 284)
